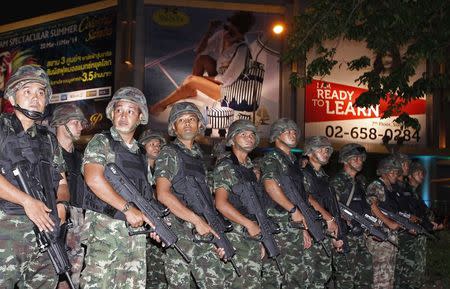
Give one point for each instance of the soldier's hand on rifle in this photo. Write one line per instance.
(414, 219)
(152, 235)
(134, 217)
(393, 225)
(307, 240)
(332, 227)
(253, 229)
(298, 217)
(220, 252)
(38, 213)
(338, 245)
(62, 214)
(263, 251)
(203, 228)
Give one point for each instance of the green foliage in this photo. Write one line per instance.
(420, 28)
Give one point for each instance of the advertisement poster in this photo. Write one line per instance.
(329, 108)
(77, 53)
(172, 57)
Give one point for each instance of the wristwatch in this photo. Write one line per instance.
(294, 208)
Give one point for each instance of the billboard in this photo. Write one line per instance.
(77, 53)
(173, 38)
(329, 108)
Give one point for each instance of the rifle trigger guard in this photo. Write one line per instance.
(208, 238)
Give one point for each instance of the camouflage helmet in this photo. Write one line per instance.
(316, 142)
(415, 167)
(401, 157)
(149, 134)
(351, 150)
(181, 108)
(66, 112)
(26, 74)
(281, 125)
(388, 164)
(130, 94)
(239, 126)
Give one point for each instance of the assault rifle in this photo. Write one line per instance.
(403, 220)
(49, 242)
(203, 205)
(267, 226)
(312, 218)
(367, 222)
(151, 209)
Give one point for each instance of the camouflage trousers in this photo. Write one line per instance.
(247, 259)
(205, 266)
(383, 258)
(354, 269)
(317, 265)
(411, 261)
(156, 278)
(290, 242)
(21, 263)
(113, 259)
(76, 251)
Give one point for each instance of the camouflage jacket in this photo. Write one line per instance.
(224, 175)
(273, 165)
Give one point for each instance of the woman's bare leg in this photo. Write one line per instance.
(188, 89)
(202, 64)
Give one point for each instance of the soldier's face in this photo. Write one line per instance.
(153, 147)
(126, 116)
(321, 155)
(418, 176)
(31, 96)
(392, 176)
(75, 126)
(187, 126)
(356, 163)
(245, 140)
(405, 168)
(289, 137)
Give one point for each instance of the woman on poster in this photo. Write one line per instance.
(231, 50)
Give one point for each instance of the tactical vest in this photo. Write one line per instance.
(134, 167)
(390, 198)
(75, 178)
(246, 177)
(37, 153)
(320, 189)
(358, 202)
(402, 197)
(294, 172)
(189, 166)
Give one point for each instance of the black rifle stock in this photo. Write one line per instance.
(47, 241)
(150, 209)
(406, 224)
(268, 228)
(312, 218)
(206, 209)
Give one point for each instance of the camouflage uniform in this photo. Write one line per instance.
(61, 116)
(411, 258)
(113, 258)
(356, 271)
(290, 240)
(248, 251)
(205, 266)
(156, 278)
(21, 263)
(383, 253)
(227, 175)
(316, 262)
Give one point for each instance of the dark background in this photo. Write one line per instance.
(22, 10)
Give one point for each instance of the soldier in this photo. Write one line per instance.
(113, 258)
(178, 161)
(411, 258)
(152, 142)
(316, 261)
(350, 187)
(231, 176)
(26, 143)
(277, 163)
(69, 121)
(380, 194)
